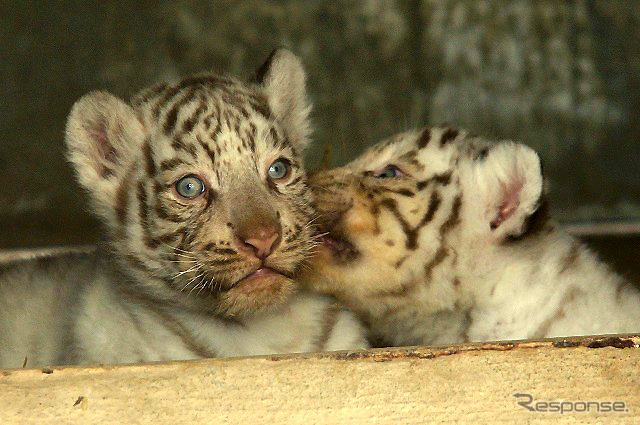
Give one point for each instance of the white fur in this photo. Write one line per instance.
(481, 274)
(69, 310)
(101, 115)
(284, 85)
(133, 300)
(511, 174)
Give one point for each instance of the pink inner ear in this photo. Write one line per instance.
(509, 204)
(97, 132)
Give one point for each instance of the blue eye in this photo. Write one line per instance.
(279, 169)
(390, 171)
(189, 186)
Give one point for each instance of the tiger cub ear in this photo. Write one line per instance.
(103, 136)
(282, 78)
(506, 187)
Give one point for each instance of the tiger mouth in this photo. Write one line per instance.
(255, 276)
(259, 279)
(261, 272)
(341, 249)
(265, 270)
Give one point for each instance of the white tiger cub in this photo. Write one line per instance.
(439, 237)
(202, 192)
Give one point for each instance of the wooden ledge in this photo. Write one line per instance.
(472, 383)
(8, 255)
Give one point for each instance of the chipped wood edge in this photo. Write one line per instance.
(469, 383)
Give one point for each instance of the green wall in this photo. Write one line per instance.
(564, 77)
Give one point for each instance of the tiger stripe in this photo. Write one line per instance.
(412, 232)
(189, 124)
(179, 144)
(170, 164)
(150, 165)
(176, 276)
(449, 135)
(329, 320)
(424, 139)
(458, 246)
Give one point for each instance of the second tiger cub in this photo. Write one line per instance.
(438, 237)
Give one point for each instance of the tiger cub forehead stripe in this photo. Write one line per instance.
(442, 179)
(424, 138)
(166, 92)
(172, 115)
(205, 146)
(148, 94)
(190, 123)
(178, 144)
(170, 164)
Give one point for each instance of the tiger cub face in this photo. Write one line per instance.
(200, 185)
(407, 217)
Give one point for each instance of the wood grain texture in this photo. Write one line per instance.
(469, 383)
(10, 255)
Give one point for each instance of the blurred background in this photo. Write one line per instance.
(564, 77)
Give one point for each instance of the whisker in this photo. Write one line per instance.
(183, 261)
(178, 254)
(190, 282)
(175, 248)
(195, 286)
(203, 285)
(191, 269)
(318, 236)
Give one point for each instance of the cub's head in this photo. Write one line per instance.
(200, 185)
(401, 216)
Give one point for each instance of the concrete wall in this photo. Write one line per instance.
(561, 76)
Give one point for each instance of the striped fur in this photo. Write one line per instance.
(179, 278)
(459, 247)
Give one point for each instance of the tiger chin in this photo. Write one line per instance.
(436, 237)
(208, 216)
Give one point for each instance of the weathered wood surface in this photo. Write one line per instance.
(9, 255)
(459, 384)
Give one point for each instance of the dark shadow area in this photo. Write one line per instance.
(621, 252)
(562, 77)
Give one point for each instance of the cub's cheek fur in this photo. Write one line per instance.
(358, 222)
(324, 274)
(372, 270)
(377, 264)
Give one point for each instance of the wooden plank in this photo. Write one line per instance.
(8, 255)
(470, 383)
(605, 228)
